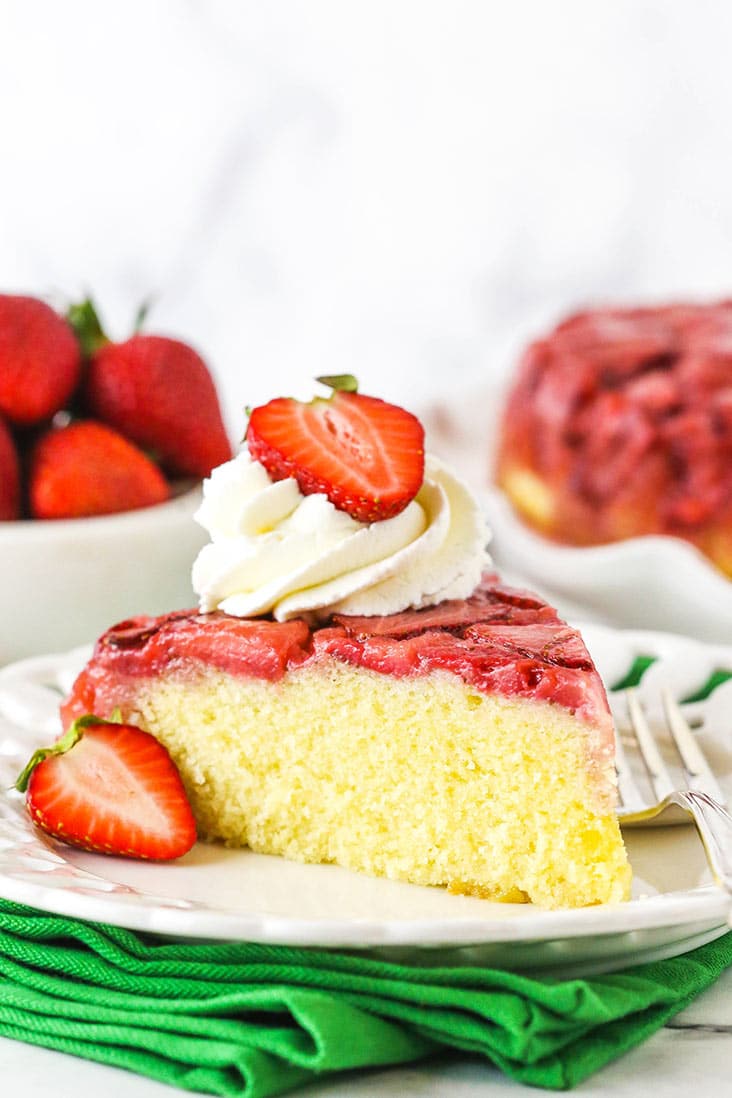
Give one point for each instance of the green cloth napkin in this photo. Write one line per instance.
(256, 1020)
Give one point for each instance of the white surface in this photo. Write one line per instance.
(68, 580)
(235, 894)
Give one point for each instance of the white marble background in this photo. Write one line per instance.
(405, 190)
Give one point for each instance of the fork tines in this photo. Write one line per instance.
(697, 772)
(629, 794)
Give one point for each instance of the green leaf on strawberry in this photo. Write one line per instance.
(340, 383)
(71, 736)
(84, 319)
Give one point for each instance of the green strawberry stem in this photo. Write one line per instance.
(84, 320)
(141, 315)
(71, 736)
(340, 383)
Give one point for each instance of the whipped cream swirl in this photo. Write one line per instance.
(275, 551)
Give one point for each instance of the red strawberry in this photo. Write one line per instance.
(40, 360)
(367, 456)
(111, 788)
(157, 392)
(9, 476)
(86, 468)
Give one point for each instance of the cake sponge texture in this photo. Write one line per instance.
(420, 778)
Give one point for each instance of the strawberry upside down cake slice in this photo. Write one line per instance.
(361, 690)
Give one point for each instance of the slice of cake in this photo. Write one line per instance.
(469, 745)
(357, 688)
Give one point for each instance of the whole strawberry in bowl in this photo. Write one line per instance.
(85, 468)
(40, 360)
(157, 392)
(103, 446)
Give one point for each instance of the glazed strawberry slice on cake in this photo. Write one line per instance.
(367, 693)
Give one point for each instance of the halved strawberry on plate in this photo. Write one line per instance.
(364, 454)
(111, 788)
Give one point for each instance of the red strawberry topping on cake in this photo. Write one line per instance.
(499, 640)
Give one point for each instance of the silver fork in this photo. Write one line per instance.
(700, 798)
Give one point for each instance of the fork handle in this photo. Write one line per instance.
(714, 824)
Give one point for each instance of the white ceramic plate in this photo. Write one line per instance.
(237, 895)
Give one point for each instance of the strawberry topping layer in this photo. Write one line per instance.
(500, 640)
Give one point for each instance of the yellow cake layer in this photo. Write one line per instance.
(420, 779)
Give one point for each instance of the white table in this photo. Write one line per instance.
(691, 1055)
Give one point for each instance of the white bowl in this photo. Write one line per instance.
(66, 581)
(658, 583)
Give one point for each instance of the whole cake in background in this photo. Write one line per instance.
(357, 687)
(619, 424)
